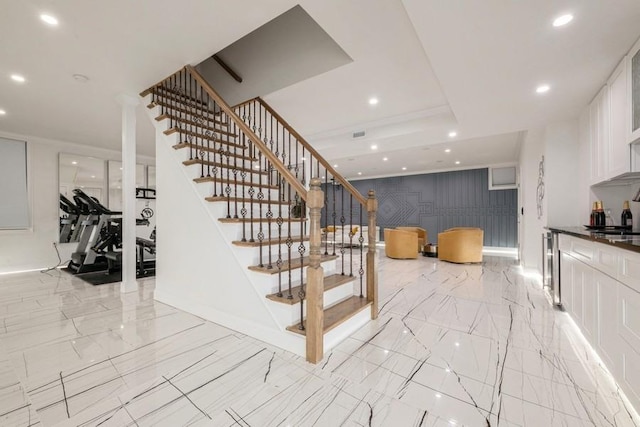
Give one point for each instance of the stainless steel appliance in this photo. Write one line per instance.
(551, 267)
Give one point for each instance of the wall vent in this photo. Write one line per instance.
(359, 134)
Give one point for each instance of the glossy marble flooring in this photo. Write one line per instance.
(472, 345)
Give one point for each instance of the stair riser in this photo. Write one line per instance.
(233, 231)
(290, 314)
(268, 283)
(189, 115)
(251, 255)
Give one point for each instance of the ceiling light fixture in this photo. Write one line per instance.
(404, 168)
(335, 166)
(48, 19)
(359, 173)
(562, 20)
(374, 147)
(457, 162)
(2, 112)
(373, 101)
(17, 78)
(384, 159)
(304, 159)
(453, 134)
(93, 176)
(448, 150)
(543, 89)
(74, 163)
(80, 78)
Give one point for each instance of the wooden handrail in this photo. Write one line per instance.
(356, 194)
(148, 91)
(275, 161)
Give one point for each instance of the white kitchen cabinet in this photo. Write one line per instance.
(629, 331)
(608, 341)
(566, 278)
(618, 153)
(600, 288)
(633, 91)
(599, 135)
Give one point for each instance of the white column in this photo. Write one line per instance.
(129, 105)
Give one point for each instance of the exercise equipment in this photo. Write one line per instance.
(99, 239)
(68, 222)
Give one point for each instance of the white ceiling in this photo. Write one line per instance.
(435, 66)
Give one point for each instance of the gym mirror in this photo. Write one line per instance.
(145, 200)
(86, 173)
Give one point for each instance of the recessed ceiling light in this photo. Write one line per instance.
(48, 19)
(359, 173)
(80, 78)
(543, 89)
(373, 101)
(335, 166)
(74, 163)
(404, 168)
(384, 159)
(304, 159)
(562, 20)
(453, 134)
(448, 150)
(457, 162)
(120, 168)
(2, 112)
(374, 147)
(93, 176)
(17, 78)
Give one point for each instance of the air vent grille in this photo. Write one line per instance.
(359, 134)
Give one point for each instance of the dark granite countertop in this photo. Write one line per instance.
(629, 242)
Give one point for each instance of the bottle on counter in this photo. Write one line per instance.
(594, 214)
(626, 219)
(601, 219)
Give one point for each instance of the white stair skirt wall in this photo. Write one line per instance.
(197, 270)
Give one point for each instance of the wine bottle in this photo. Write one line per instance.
(627, 218)
(601, 219)
(594, 214)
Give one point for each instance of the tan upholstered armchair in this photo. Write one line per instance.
(421, 232)
(400, 244)
(461, 245)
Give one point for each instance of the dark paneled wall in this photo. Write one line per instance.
(438, 201)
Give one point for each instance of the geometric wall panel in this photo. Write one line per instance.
(438, 201)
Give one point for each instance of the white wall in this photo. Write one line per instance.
(561, 206)
(531, 227)
(33, 248)
(562, 167)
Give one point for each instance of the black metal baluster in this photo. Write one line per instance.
(326, 212)
(279, 221)
(361, 240)
(289, 242)
(334, 214)
(260, 198)
(351, 234)
(342, 222)
(252, 192)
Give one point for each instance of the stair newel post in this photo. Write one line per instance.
(315, 277)
(372, 273)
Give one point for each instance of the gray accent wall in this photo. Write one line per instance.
(439, 201)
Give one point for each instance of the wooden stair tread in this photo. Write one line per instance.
(295, 261)
(210, 150)
(268, 242)
(220, 165)
(178, 96)
(273, 220)
(337, 314)
(215, 122)
(265, 202)
(158, 103)
(330, 282)
(240, 183)
(202, 135)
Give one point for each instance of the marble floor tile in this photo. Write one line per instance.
(454, 345)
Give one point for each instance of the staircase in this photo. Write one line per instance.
(249, 202)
